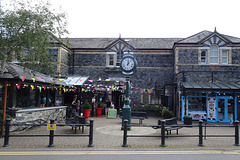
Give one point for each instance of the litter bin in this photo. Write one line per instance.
(187, 120)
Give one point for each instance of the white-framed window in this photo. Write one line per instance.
(224, 56)
(110, 59)
(204, 57)
(214, 55)
(113, 59)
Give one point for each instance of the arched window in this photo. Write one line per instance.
(214, 54)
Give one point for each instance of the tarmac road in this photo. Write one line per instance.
(126, 155)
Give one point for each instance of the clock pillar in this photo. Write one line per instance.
(126, 111)
(128, 65)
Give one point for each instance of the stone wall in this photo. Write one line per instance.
(235, 56)
(187, 62)
(41, 115)
(38, 116)
(187, 56)
(154, 68)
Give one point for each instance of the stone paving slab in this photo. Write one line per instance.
(109, 136)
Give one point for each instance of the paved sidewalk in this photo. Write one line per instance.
(108, 136)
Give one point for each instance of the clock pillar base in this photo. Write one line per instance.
(126, 114)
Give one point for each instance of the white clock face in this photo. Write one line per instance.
(128, 64)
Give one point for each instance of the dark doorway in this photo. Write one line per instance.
(117, 98)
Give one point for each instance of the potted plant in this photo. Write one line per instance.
(99, 109)
(166, 113)
(87, 110)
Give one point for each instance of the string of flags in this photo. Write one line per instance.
(89, 86)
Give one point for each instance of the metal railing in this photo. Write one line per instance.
(200, 135)
(51, 135)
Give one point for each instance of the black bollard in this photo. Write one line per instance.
(125, 133)
(51, 136)
(6, 136)
(91, 134)
(236, 124)
(163, 133)
(201, 133)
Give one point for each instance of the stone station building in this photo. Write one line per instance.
(197, 75)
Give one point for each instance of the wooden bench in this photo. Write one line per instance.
(77, 121)
(170, 124)
(137, 115)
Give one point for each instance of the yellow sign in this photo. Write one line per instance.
(51, 127)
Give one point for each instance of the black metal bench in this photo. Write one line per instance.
(170, 124)
(77, 121)
(137, 115)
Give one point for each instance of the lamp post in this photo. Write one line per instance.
(128, 65)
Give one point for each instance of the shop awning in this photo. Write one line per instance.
(18, 74)
(76, 81)
(211, 85)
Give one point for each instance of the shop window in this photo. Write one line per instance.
(145, 98)
(230, 109)
(32, 98)
(22, 97)
(197, 102)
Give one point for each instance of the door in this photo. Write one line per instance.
(225, 109)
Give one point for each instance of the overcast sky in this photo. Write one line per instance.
(150, 18)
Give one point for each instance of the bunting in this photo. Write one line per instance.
(18, 85)
(33, 79)
(23, 78)
(39, 78)
(90, 81)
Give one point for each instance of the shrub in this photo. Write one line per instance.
(156, 109)
(100, 105)
(87, 105)
(147, 107)
(166, 113)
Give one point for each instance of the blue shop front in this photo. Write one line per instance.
(210, 101)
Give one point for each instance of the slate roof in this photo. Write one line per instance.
(137, 43)
(204, 34)
(211, 85)
(143, 43)
(14, 71)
